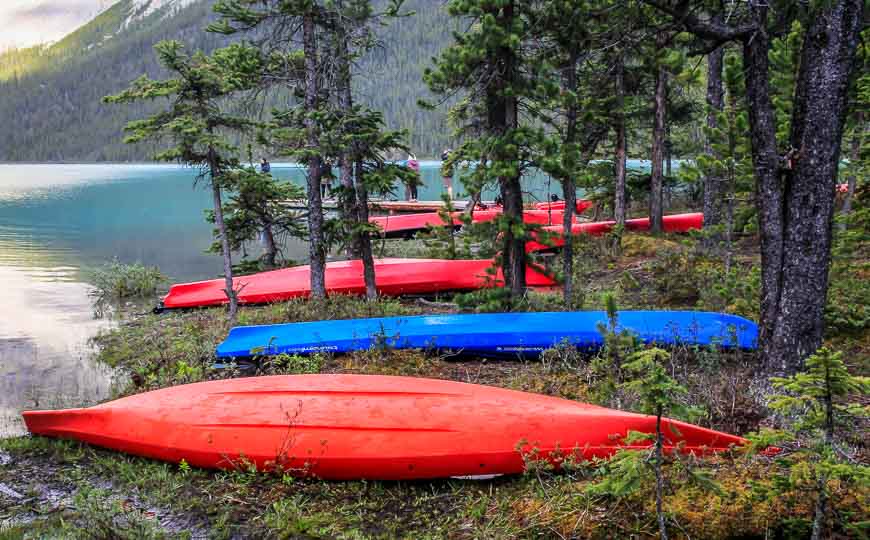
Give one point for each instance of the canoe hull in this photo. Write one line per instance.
(677, 223)
(394, 277)
(508, 335)
(402, 226)
(344, 427)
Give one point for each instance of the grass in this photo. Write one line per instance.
(757, 496)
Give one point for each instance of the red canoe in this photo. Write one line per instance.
(344, 427)
(409, 224)
(394, 277)
(672, 224)
(581, 206)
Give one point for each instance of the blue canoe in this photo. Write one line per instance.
(489, 334)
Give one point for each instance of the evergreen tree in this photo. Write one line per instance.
(819, 398)
(256, 209)
(795, 235)
(197, 121)
(297, 130)
(570, 46)
(490, 67)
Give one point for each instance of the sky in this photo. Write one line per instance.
(28, 22)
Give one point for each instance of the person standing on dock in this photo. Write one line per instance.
(447, 172)
(265, 167)
(411, 187)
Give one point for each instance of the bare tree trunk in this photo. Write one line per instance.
(569, 188)
(317, 243)
(365, 239)
(270, 249)
(765, 160)
(660, 113)
(660, 483)
(713, 189)
(620, 157)
(811, 169)
(225, 245)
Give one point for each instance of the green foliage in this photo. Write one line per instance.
(116, 281)
(659, 393)
(257, 205)
(814, 394)
(824, 404)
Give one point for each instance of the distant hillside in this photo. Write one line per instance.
(50, 105)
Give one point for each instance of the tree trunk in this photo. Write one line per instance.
(713, 183)
(762, 120)
(352, 174)
(365, 239)
(659, 115)
(660, 483)
(569, 189)
(348, 199)
(620, 157)
(270, 249)
(225, 247)
(317, 243)
(503, 119)
(810, 173)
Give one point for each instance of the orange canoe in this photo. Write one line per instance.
(394, 277)
(345, 427)
(672, 224)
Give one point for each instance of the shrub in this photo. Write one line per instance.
(116, 281)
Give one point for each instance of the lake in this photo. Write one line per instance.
(59, 221)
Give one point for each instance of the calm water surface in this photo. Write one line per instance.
(58, 221)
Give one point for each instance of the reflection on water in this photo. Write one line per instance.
(45, 357)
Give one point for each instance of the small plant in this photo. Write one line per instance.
(818, 401)
(607, 366)
(658, 394)
(117, 281)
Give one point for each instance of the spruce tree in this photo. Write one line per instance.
(489, 68)
(197, 121)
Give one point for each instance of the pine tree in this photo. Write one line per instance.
(578, 101)
(795, 236)
(197, 121)
(296, 130)
(819, 398)
(489, 67)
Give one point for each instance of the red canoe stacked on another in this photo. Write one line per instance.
(581, 206)
(409, 224)
(344, 427)
(672, 224)
(394, 277)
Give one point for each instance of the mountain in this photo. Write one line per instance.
(50, 95)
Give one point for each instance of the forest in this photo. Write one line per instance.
(767, 105)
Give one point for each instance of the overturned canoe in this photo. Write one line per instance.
(581, 205)
(489, 334)
(397, 226)
(672, 224)
(394, 277)
(344, 427)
